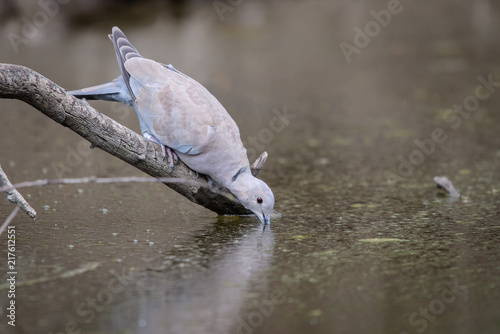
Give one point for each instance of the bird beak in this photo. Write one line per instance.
(265, 219)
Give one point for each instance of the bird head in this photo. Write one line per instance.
(255, 195)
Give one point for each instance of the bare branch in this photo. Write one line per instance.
(9, 219)
(94, 179)
(14, 196)
(259, 163)
(442, 182)
(18, 82)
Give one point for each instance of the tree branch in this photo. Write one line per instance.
(18, 82)
(9, 219)
(94, 179)
(14, 196)
(259, 163)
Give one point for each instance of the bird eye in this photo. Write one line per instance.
(259, 200)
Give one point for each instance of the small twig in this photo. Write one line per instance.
(94, 179)
(442, 182)
(9, 219)
(14, 196)
(259, 163)
(67, 274)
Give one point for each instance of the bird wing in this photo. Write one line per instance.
(179, 111)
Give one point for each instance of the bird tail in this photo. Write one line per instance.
(124, 50)
(115, 90)
(119, 89)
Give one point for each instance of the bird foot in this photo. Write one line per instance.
(173, 159)
(210, 182)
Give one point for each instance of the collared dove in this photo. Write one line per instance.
(178, 113)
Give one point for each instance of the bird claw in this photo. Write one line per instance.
(173, 159)
(210, 182)
(163, 152)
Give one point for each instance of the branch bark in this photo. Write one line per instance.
(21, 83)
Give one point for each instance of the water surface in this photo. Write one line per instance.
(366, 243)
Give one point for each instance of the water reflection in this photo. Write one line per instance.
(354, 253)
(202, 285)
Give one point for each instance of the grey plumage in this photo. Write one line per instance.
(179, 113)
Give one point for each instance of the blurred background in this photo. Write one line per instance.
(359, 105)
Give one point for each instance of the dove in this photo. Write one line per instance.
(189, 123)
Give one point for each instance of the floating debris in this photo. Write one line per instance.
(80, 270)
(315, 313)
(381, 240)
(323, 161)
(67, 274)
(442, 182)
(361, 205)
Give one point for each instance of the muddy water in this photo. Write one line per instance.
(355, 136)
